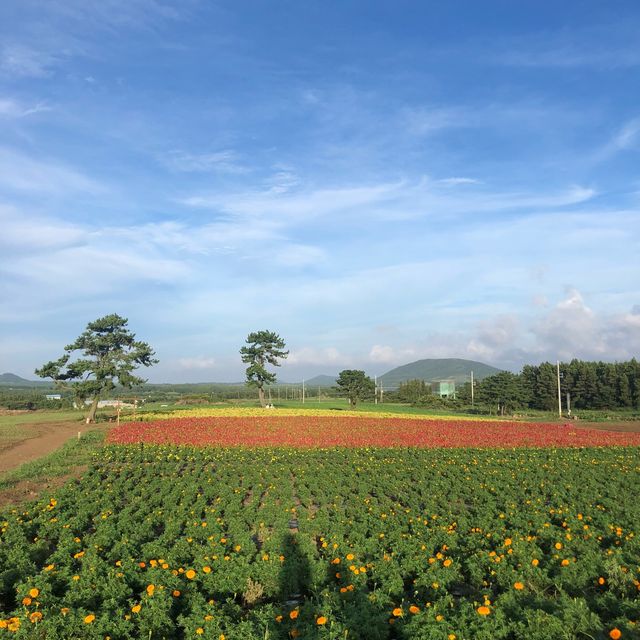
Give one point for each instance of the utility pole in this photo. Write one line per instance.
(472, 389)
(559, 394)
(318, 395)
(302, 390)
(375, 378)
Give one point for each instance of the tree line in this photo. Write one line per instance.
(583, 385)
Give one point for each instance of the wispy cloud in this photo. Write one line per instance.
(226, 161)
(22, 60)
(20, 172)
(10, 108)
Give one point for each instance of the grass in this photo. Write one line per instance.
(74, 453)
(32, 417)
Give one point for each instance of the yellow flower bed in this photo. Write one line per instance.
(257, 412)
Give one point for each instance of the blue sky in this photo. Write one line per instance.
(378, 182)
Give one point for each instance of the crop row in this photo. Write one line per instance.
(324, 430)
(178, 542)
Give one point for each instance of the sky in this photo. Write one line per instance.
(377, 182)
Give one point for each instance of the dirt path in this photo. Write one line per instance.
(42, 439)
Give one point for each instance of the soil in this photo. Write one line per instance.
(28, 490)
(41, 439)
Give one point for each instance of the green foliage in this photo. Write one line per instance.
(413, 391)
(110, 355)
(264, 347)
(451, 528)
(356, 385)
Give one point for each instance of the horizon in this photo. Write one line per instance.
(377, 183)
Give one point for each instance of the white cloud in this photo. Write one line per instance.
(225, 161)
(21, 60)
(10, 108)
(329, 356)
(197, 363)
(22, 173)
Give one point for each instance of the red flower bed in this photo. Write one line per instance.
(330, 431)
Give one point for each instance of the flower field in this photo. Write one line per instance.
(315, 429)
(351, 542)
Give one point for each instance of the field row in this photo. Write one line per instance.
(177, 542)
(275, 430)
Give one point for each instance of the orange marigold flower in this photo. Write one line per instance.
(294, 614)
(36, 616)
(615, 633)
(507, 542)
(518, 586)
(136, 608)
(397, 612)
(601, 581)
(199, 631)
(175, 593)
(89, 619)
(414, 609)
(350, 556)
(483, 611)
(191, 574)
(535, 562)
(447, 562)
(565, 563)
(558, 545)
(321, 620)
(206, 569)
(34, 593)
(26, 601)
(150, 589)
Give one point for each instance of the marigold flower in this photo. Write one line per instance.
(136, 608)
(150, 589)
(601, 581)
(191, 574)
(36, 616)
(615, 633)
(34, 593)
(565, 563)
(413, 609)
(518, 586)
(26, 601)
(175, 593)
(397, 612)
(206, 569)
(447, 562)
(350, 556)
(535, 562)
(294, 614)
(483, 611)
(321, 620)
(199, 631)
(89, 619)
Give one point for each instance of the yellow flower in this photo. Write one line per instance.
(321, 620)
(26, 601)
(199, 631)
(206, 569)
(397, 612)
(518, 586)
(413, 609)
(293, 614)
(191, 574)
(535, 562)
(34, 593)
(89, 619)
(175, 593)
(150, 589)
(565, 563)
(483, 611)
(447, 562)
(36, 616)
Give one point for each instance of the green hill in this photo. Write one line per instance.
(12, 380)
(432, 369)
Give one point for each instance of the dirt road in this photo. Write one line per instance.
(42, 439)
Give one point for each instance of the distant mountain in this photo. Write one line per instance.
(12, 380)
(437, 369)
(321, 381)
